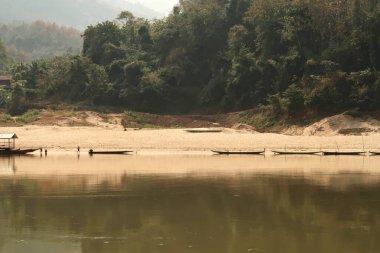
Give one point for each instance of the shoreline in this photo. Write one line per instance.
(59, 138)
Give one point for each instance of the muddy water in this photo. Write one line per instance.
(189, 203)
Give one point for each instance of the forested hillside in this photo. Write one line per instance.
(290, 57)
(3, 58)
(74, 13)
(27, 42)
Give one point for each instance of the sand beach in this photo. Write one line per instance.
(170, 140)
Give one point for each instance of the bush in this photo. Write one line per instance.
(4, 97)
(5, 118)
(293, 99)
(276, 104)
(17, 104)
(151, 92)
(330, 93)
(28, 117)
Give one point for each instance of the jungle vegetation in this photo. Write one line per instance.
(291, 56)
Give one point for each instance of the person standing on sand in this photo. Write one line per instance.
(78, 150)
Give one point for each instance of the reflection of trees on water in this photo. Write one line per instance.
(272, 214)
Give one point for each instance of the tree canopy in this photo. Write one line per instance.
(224, 55)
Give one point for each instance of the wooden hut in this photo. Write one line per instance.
(5, 82)
(8, 141)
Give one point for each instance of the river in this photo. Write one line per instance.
(65, 203)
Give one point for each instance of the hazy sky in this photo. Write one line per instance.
(163, 6)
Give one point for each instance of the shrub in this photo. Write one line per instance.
(293, 99)
(29, 117)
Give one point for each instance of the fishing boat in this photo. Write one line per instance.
(239, 152)
(109, 152)
(17, 151)
(347, 153)
(203, 130)
(295, 152)
(8, 145)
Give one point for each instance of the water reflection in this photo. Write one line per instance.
(7, 165)
(190, 204)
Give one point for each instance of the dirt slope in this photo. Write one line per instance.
(342, 124)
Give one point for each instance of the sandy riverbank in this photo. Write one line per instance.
(68, 138)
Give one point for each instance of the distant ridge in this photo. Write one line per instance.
(74, 13)
(39, 39)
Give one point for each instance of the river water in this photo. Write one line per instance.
(189, 203)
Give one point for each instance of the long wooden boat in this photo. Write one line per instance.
(203, 130)
(348, 153)
(17, 151)
(295, 152)
(374, 152)
(239, 152)
(110, 152)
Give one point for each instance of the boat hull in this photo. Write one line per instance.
(124, 152)
(276, 152)
(17, 151)
(332, 153)
(203, 131)
(238, 152)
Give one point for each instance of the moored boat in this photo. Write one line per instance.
(347, 153)
(16, 151)
(239, 152)
(109, 152)
(295, 152)
(203, 130)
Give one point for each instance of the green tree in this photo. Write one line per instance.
(214, 55)
(17, 103)
(294, 99)
(53, 82)
(95, 39)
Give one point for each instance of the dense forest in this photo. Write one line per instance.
(289, 56)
